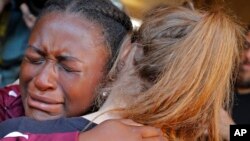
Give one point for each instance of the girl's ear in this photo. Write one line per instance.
(132, 53)
(123, 55)
(125, 50)
(129, 55)
(138, 53)
(189, 4)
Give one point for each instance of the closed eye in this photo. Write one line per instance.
(34, 56)
(35, 60)
(69, 69)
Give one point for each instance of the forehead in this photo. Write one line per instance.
(70, 23)
(67, 18)
(63, 31)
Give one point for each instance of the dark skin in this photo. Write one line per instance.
(62, 67)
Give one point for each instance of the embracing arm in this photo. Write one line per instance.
(122, 130)
(111, 130)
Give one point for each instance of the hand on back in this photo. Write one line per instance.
(122, 130)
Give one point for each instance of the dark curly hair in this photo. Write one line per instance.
(114, 22)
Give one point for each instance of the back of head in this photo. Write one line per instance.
(189, 58)
(115, 23)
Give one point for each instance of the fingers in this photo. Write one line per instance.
(130, 122)
(144, 131)
(155, 139)
(148, 131)
(125, 130)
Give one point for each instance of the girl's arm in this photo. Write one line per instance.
(67, 129)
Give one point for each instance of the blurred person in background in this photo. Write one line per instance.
(17, 17)
(241, 105)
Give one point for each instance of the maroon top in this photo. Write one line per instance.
(67, 136)
(10, 102)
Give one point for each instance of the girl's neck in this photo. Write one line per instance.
(120, 95)
(105, 112)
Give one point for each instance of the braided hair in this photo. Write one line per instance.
(115, 23)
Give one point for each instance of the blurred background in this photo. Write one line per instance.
(136, 8)
(17, 18)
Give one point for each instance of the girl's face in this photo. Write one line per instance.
(62, 67)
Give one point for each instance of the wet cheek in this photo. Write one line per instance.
(24, 72)
(79, 90)
(78, 97)
(77, 102)
(80, 105)
(27, 73)
(28, 70)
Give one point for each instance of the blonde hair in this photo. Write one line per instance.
(189, 57)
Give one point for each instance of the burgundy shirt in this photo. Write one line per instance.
(10, 103)
(28, 129)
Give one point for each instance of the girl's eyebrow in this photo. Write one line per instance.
(68, 58)
(60, 58)
(39, 51)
